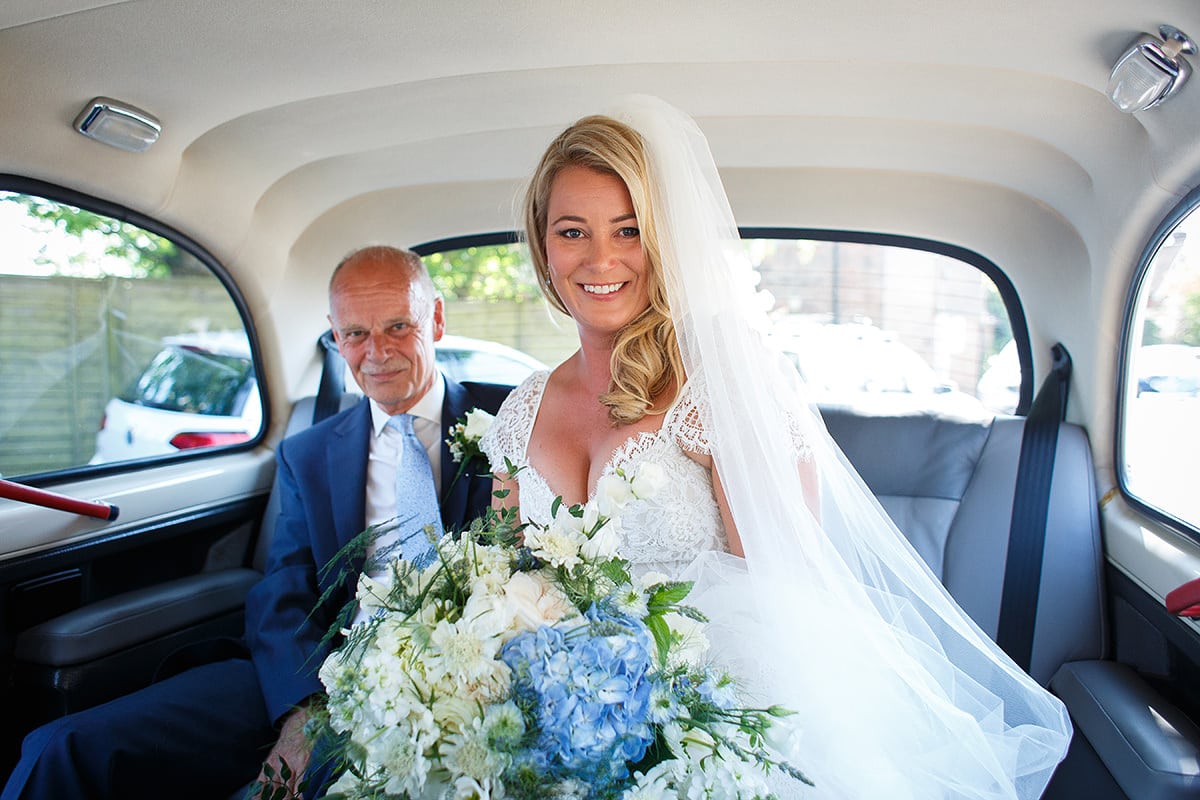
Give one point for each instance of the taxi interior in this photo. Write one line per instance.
(1048, 150)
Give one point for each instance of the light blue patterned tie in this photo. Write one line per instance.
(416, 498)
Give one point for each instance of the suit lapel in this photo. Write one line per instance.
(346, 456)
(454, 492)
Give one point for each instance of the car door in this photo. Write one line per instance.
(95, 594)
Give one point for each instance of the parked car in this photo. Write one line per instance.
(200, 390)
(865, 368)
(1168, 369)
(999, 387)
(944, 184)
(466, 359)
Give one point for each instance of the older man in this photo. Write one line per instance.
(203, 732)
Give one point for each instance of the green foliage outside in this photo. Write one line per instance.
(147, 254)
(490, 272)
(1190, 330)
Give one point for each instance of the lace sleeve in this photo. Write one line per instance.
(690, 419)
(508, 436)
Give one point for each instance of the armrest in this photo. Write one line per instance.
(128, 619)
(1151, 747)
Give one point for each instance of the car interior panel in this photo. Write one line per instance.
(931, 197)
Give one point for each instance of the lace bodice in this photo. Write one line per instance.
(663, 533)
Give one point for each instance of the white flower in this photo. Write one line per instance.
(477, 424)
(467, 754)
(557, 544)
(534, 601)
(649, 480)
(688, 642)
(467, 788)
(604, 543)
(631, 600)
(372, 593)
(612, 494)
(462, 655)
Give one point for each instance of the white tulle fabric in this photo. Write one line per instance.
(660, 534)
(832, 613)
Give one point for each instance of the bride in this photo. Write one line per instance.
(816, 600)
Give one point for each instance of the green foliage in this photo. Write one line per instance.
(147, 254)
(492, 272)
(1189, 328)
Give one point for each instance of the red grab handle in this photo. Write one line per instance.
(61, 502)
(1184, 601)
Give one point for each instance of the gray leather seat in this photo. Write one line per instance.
(949, 486)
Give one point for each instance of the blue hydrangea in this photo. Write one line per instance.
(590, 688)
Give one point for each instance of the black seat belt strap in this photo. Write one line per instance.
(1031, 503)
(333, 379)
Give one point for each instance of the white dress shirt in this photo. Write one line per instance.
(385, 448)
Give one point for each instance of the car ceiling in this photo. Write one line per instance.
(295, 131)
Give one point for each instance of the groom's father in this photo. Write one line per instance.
(203, 732)
(386, 316)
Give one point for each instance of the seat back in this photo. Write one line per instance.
(948, 485)
(301, 418)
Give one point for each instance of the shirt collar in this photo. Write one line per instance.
(428, 407)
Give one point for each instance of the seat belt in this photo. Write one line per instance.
(333, 379)
(1031, 503)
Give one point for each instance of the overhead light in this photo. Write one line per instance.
(118, 124)
(1150, 71)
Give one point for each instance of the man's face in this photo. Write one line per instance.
(385, 326)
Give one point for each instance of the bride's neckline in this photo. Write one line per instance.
(621, 452)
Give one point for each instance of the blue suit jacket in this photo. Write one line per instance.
(321, 477)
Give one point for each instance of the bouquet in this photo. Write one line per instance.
(525, 663)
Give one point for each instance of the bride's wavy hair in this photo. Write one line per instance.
(646, 361)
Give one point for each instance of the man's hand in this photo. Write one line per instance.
(285, 765)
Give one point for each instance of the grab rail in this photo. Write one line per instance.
(60, 502)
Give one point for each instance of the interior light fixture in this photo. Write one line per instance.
(118, 124)
(1150, 71)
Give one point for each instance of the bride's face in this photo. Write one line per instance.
(594, 250)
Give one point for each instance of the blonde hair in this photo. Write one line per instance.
(646, 361)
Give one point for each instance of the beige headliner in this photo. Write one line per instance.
(295, 131)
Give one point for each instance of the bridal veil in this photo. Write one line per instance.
(898, 693)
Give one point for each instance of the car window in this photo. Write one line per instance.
(891, 328)
(1159, 424)
(117, 342)
(883, 327)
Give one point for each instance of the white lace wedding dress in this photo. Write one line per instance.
(663, 533)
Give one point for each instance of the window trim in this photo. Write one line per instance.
(17, 183)
(1189, 204)
(1008, 293)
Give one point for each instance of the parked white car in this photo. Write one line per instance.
(201, 390)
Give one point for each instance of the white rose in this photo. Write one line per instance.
(478, 422)
(534, 601)
(604, 543)
(612, 495)
(649, 481)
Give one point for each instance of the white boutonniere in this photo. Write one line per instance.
(465, 435)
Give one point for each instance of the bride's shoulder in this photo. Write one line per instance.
(510, 430)
(689, 419)
(529, 389)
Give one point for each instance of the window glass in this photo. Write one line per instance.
(1161, 409)
(884, 329)
(116, 343)
(888, 329)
